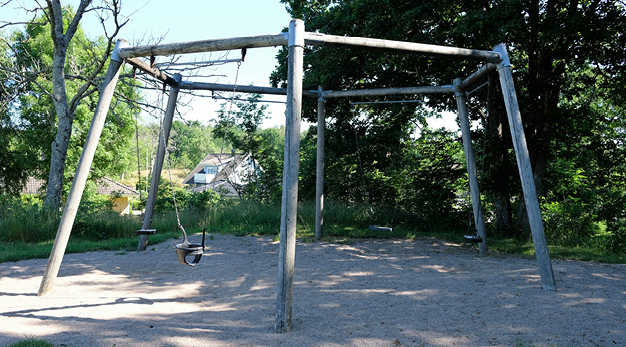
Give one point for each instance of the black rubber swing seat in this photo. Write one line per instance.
(380, 228)
(473, 238)
(146, 231)
(185, 249)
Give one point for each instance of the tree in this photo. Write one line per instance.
(41, 72)
(190, 143)
(549, 41)
(240, 128)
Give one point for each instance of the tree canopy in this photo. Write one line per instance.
(568, 63)
(44, 103)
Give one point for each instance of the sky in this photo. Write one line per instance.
(194, 20)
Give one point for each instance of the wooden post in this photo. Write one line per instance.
(461, 101)
(82, 171)
(525, 170)
(476, 76)
(319, 176)
(164, 136)
(289, 209)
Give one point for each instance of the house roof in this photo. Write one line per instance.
(108, 186)
(33, 186)
(214, 159)
(105, 186)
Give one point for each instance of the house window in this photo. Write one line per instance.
(210, 170)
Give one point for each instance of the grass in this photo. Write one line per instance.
(526, 248)
(15, 251)
(27, 231)
(32, 343)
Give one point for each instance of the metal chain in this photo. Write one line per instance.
(167, 158)
(230, 111)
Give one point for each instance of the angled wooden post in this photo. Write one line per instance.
(319, 176)
(82, 171)
(289, 209)
(525, 170)
(164, 136)
(461, 102)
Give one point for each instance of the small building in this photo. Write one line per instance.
(222, 173)
(105, 186)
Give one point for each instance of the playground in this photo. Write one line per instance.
(390, 292)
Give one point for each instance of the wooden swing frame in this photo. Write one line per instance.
(295, 39)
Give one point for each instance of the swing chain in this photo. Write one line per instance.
(167, 158)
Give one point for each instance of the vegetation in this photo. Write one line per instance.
(568, 65)
(51, 76)
(32, 343)
(384, 165)
(27, 227)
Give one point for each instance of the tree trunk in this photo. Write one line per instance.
(64, 128)
(65, 113)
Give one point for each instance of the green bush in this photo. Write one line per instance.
(569, 222)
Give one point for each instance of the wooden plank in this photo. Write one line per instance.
(205, 46)
(289, 209)
(525, 170)
(158, 163)
(317, 39)
(82, 172)
(388, 91)
(240, 88)
(152, 71)
(476, 76)
(461, 102)
(319, 175)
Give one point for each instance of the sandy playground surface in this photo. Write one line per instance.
(369, 293)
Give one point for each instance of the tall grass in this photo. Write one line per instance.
(27, 229)
(26, 221)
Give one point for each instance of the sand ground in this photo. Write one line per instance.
(369, 293)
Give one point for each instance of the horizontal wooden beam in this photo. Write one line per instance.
(240, 88)
(314, 93)
(389, 91)
(152, 71)
(205, 46)
(476, 76)
(316, 39)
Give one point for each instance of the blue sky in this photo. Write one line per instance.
(193, 20)
(199, 20)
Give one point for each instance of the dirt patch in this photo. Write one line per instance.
(369, 293)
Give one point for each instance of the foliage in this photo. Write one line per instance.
(435, 174)
(343, 223)
(240, 128)
(165, 198)
(190, 142)
(568, 69)
(53, 56)
(26, 221)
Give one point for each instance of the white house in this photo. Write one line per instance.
(220, 172)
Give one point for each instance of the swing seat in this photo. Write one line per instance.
(473, 238)
(146, 231)
(183, 250)
(380, 228)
